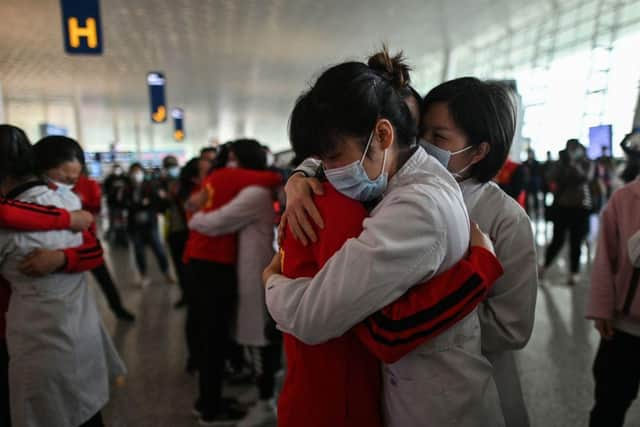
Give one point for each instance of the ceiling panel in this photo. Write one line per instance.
(233, 65)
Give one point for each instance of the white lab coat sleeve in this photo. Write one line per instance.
(507, 315)
(634, 249)
(309, 166)
(403, 244)
(232, 217)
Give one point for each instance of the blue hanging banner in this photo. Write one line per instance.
(178, 124)
(156, 82)
(81, 27)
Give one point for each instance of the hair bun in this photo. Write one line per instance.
(392, 68)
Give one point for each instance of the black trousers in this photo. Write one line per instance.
(95, 421)
(617, 375)
(266, 361)
(575, 221)
(177, 242)
(103, 277)
(5, 414)
(212, 308)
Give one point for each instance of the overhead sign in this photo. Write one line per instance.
(81, 27)
(47, 129)
(178, 124)
(156, 82)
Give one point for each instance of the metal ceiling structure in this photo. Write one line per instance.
(235, 66)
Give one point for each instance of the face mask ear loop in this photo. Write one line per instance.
(462, 151)
(366, 149)
(384, 161)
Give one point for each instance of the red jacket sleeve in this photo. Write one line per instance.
(85, 257)
(430, 308)
(89, 192)
(28, 216)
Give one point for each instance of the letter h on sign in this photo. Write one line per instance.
(81, 27)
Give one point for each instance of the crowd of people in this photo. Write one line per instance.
(395, 264)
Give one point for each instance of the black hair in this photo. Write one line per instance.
(54, 150)
(188, 173)
(222, 157)
(16, 153)
(135, 165)
(208, 150)
(169, 161)
(250, 154)
(413, 94)
(485, 112)
(347, 100)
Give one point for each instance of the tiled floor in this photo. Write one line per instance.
(555, 366)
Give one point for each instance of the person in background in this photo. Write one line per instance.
(572, 205)
(533, 184)
(207, 159)
(512, 180)
(145, 200)
(66, 381)
(251, 215)
(476, 120)
(212, 277)
(614, 306)
(62, 159)
(179, 188)
(115, 186)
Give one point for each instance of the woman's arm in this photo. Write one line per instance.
(431, 308)
(232, 217)
(507, 315)
(25, 216)
(403, 244)
(601, 300)
(42, 261)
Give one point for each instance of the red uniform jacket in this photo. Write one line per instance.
(90, 194)
(221, 186)
(350, 395)
(335, 384)
(27, 216)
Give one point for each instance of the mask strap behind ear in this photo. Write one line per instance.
(366, 149)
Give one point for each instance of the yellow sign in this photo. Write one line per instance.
(178, 135)
(82, 27)
(89, 31)
(160, 114)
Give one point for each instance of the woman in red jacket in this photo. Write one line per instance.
(212, 284)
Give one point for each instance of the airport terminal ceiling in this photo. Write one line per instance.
(234, 66)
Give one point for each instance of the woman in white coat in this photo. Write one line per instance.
(61, 358)
(251, 215)
(468, 126)
(355, 119)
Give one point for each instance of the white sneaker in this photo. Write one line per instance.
(263, 412)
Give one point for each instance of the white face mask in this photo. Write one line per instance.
(63, 186)
(233, 164)
(138, 177)
(271, 159)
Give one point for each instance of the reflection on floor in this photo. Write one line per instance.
(555, 366)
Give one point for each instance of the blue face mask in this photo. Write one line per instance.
(444, 156)
(174, 171)
(352, 180)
